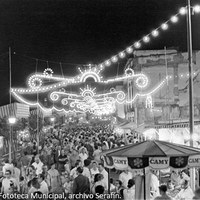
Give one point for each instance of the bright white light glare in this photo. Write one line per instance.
(183, 11)
(174, 19)
(108, 63)
(129, 50)
(196, 9)
(195, 137)
(114, 58)
(101, 66)
(146, 39)
(137, 45)
(122, 54)
(155, 33)
(52, 119)
(164, 26)
(12, 120)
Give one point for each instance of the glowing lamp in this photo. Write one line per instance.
(101, 66)
(164, 26)
(12, 120)
(52, 119)
(146, 39)
(155, 33)
(129, 50)
(174, 19)
(196, 9)
(183, 10)
(108, 63)
(122, 54)
(137, 45)
(114, 59)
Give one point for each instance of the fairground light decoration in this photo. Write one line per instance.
(89, 99)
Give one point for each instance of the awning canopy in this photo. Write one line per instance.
(155, 154)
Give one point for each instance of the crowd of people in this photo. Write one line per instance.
(68, 163)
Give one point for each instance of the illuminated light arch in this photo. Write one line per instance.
(87, 75)
(42, 108)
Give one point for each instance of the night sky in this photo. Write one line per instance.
(81, 32)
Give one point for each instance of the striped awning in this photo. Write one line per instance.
(17, 110)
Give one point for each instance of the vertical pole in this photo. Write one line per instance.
(191, 107)
(10, 100)
(108, 180)
(144, 184)
(38, 140)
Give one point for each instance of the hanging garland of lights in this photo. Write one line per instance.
(145, 39)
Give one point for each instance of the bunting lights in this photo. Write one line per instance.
(145, 39)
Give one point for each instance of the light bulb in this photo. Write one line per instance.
(122, 54)
(129, 50)
(108, 63)
(114, 59)
(137, 45)
(174, 19)
(155, 33)
(146, 39)
(101, 66)
(183, 11)
(196, 9)
(164, 26)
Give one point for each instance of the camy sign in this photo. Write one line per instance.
(120, 163)
(159, 162)
(194, 161)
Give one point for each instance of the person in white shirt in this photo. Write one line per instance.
(97, 154)
(38, 165)
(86, 171)
(186, 192)
(73, 173)
(94, 170)
(83, 154)
(53, 178)
(34, 187)
(154, 184)
(129, 193)
(9, 184)
(16, 172)
(43, 185)
(124, 177)
(7, 165)
(105, 175)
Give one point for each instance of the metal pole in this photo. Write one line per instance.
(189, 40)
(10, 145)
(10, 131)
(38, 140)
(191, 103)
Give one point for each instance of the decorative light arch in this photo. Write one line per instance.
(90, 74)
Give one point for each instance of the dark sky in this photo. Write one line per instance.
(81, 32)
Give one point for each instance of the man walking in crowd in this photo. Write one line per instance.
(124, 177)
(105, 175)
(53, 178)
(9, 184)
(163, 195)
(81, 183)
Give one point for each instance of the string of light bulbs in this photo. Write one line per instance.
(145, 39)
